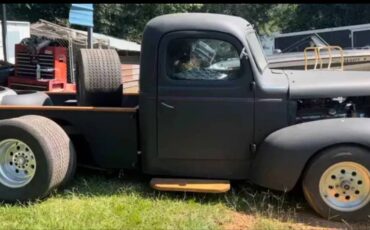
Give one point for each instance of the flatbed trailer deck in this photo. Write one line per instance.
(93, 128)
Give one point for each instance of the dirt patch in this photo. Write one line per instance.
(240, 221)
(310, 220)
(253, 207)
(302, 220)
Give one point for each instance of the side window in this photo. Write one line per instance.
(202, 59)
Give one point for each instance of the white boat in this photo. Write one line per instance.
(351, 59)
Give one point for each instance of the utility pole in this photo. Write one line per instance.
(90, 37)
(3, 22)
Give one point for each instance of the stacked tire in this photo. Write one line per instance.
(10, 97)
(99, 80)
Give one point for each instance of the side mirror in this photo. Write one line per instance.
(277, 51)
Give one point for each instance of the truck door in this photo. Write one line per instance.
(204, 100)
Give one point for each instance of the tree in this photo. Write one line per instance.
(256, 14)
(128, 20)
(32, 12)
(316, 16)
(280, 18)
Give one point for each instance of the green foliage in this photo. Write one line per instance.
(32, 12)
(281, 16)
(316, 16)
(256, 14)
(128, 20)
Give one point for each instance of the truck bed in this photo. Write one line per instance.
(104, 137)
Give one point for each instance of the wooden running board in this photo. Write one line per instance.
(190, 185)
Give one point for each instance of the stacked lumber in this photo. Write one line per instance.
(130, 78)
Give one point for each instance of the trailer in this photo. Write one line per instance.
(347, 37)
(198, 122)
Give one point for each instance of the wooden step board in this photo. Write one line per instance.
(190, 185)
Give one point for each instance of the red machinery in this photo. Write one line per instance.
(46, 70)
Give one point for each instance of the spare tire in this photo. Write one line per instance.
(27, 98)
(5, 92)
(99, 78)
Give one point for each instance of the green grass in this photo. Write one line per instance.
(95, 201)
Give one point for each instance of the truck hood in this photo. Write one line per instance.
(327, 83)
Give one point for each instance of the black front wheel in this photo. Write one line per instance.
(336, 183)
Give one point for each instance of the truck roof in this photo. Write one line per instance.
(199, 21)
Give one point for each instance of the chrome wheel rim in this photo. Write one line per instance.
(345, 186)
(17, 163)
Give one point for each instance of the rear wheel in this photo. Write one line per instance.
(17, 163)
(337, 183)
(36, 156)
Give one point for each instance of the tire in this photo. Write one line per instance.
(46, 150)
(31, 98)
(5, 92)
(336, 183)
(71, 171)
(99, 78)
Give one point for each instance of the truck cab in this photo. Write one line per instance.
(211, 108)
(197, 117)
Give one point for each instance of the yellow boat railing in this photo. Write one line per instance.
(318, 58)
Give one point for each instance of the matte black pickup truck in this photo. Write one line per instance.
(199, 119)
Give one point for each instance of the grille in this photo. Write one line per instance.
(27, 65)
(50, 62)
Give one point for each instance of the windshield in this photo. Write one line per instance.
(255, 46)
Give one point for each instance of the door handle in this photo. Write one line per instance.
(167, 105)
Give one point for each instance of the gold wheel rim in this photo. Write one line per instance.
(345, 186)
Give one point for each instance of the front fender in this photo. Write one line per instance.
(282, 156)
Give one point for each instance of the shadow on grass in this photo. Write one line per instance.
(244, 198)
